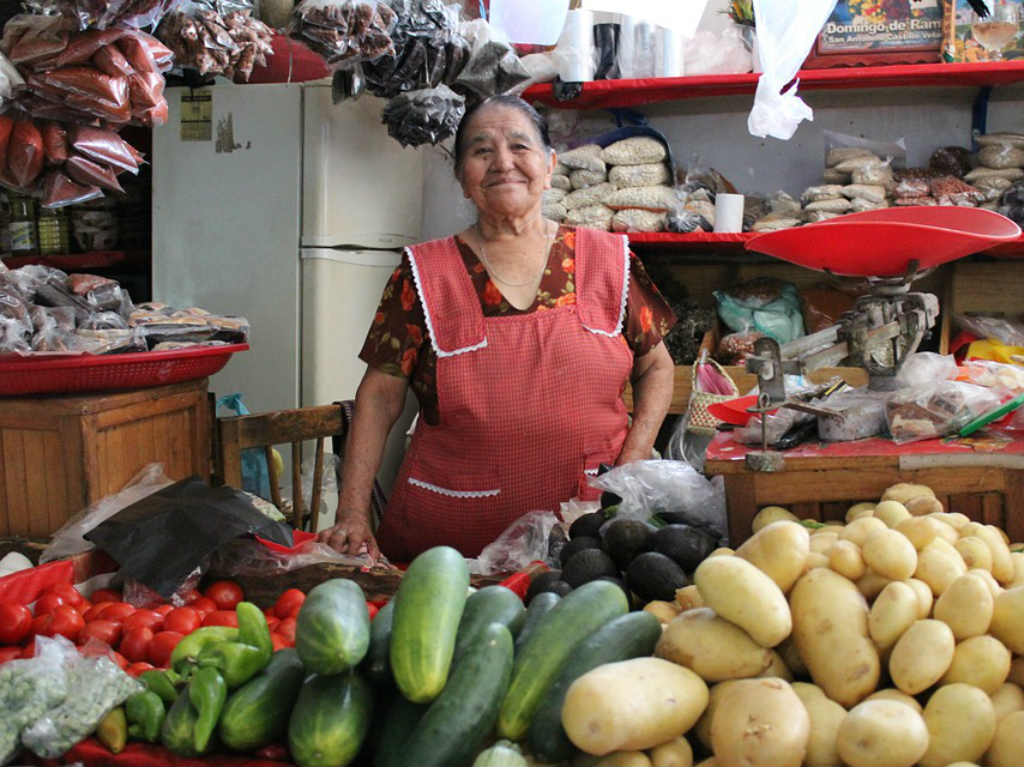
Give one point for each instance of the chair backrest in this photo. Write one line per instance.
(292, 427)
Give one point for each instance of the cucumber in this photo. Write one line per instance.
(428, 607)
(504, 753)
(580, 612)
(399, 721)
(330, 720)
(376, 663)
(540, 605)
(491, 604)
(462, 717)
(629, 636)
(332, 630)
(256, 714)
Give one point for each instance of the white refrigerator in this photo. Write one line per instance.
(271, 202)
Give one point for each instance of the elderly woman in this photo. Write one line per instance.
(518, 337)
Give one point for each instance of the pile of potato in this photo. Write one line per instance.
(905, 627)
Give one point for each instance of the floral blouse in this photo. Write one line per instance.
(397, 342)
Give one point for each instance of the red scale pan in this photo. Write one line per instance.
(886, 242)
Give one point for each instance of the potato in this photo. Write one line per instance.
(922, 505)
(741, 594)
(938, 565)
(859, 510)
(1008, 619)
(890, 554)
(624, 759)
(893, 612)
(632, 705)
(921, 656)
(844, 557)
(921, 530)
(961, 723)
(966, 606)
(904, 491)
(688, 597)
(1007, 747)
(1017, 557)
(760, 722)
(859, 530)
(821, 542)
(1016, 672)
(703, 727)
(663, 611)
(777, 668)
(830, 631)
(975, 552)
(982, 661)
(954, 519)
(791, 657)
(770, 514)
(891, 693)
(779, 550)
(871, 584)
(721, 551)
(993, 586)
(708, 762)
(891, 512)
(826, 715)
(711, 646)
(676, 753)
(925, 599)
(882, 732)
(815, 559)
(1002, 564)
(1007, 698)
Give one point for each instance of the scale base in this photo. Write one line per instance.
(765, 460)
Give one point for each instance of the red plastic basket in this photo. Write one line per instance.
(64, 374)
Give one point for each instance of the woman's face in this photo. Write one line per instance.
(505, 167)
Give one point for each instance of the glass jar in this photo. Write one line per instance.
(22, 226)
(54, 231)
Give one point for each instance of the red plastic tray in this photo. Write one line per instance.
(65, 374)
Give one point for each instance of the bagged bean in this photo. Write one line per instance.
(875, 174)
(833, 176)
(648, 174)
(558, 181)
(830, 206)
(637, 150)
(553, 195)
(553, 211)
(1012, 139)
(825, 192)
(581, 179)
(814, 216)
(594, 216)
(1011, 174)
(770, 224)
(840, 154)
(634, 220)
(848, 166)
(859, 204)
(656, 198)
(1001, 156)
(869, 192)
(587, 157)
(592, 195)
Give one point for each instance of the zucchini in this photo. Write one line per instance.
(462, 717)
(428, 606)
(540, 605)
(504, 753)
(332, 630)
(330, 720)
(580, 612)
(491, 604)
(377, 665)
(256, 714)
(629, 636)
(399, 721)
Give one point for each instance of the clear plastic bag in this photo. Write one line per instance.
(492, 66)
(1008, 380)
(925, 368)
(522, 542)
(775, 311)
(30, 687)
(1003, 329)
(425, 116)
(894, 153)
(140, 595)
(776, 425)
(345, 32)
(247, 556)
(936, 410)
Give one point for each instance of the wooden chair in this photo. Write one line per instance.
(279, 427)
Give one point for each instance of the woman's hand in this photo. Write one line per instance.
(352, 534)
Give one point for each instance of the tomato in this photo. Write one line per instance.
(278, 641)
(41, 624)
(164, 609)
(221, 618)
(134, 669)
(161, 647)
(272, 622)
(48, 602)
(151, 619)
(204, 605)
(184, 620)
(9, 653)
(67, 622)
(288, 604)
(29, 650)
(225, 594)
(118, 658)
(286, 628)
(135, 643)
(94, 612)
(15, 622)
(105, 595)
(372, 609)
(116, 611)
(103, 630)
(69, 593)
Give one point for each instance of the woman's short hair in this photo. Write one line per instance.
(538, 121)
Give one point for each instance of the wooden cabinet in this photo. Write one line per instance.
(58, 454)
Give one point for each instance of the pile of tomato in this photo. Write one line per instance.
(137, 639)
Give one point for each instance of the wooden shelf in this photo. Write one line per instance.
(604, 94)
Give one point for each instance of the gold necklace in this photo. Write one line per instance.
(492, 273)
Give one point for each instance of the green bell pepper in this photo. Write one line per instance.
(207, 692)
(162, 682)
(145, 712)
(236, 661)
(253, 629)
(188, 649)
(112, 731)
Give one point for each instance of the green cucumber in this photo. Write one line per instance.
(332, 630)
(540, 605)
(504, 753)
(491, 604)
(428, 607)
(376, 663)
(399, 721)
(580, 612)
(462, 717)
(330, 720)
(256, 714)
(629, 636)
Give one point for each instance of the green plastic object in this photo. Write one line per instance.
(992, 415)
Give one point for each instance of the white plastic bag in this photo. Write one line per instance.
(522, 542)
(786, 29)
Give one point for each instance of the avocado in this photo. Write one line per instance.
(559, 587)
(588, 565)
(542, 582)
(625, 538)
(577, 544)
(686, 545)
(587, 525)
(652, 575)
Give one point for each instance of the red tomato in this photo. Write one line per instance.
(15, 622)
(225, 594)
(286, 628)
(288, 604)
(221, 618)
(204, 605)
(67, 622)
(116, 611)
(372, 609)
(184, 620)
(164, 609)
(103, 630)
(41, 624)
(278, 641)
(94, 612)
(135, 643)
(9, 653)
(151, 619)
(29, 650)
(48, 601)
(134, 669)
(71, 595)
(105, 595)
(161, 647)
(272, 622)
(118, 658)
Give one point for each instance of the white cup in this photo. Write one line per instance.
(728, 212)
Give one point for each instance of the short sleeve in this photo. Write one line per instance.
(648, 315)
(398, 330)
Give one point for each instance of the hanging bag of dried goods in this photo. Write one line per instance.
(104, 146)
(425, 116)
(344, 32)
(103, 14)
(25, 153)
(35, 42)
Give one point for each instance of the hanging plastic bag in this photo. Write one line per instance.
(785, 32)
(255, 472)
(522, 542)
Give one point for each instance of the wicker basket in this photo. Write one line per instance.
(699, 420)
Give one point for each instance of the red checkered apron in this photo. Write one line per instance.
(529, 404)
